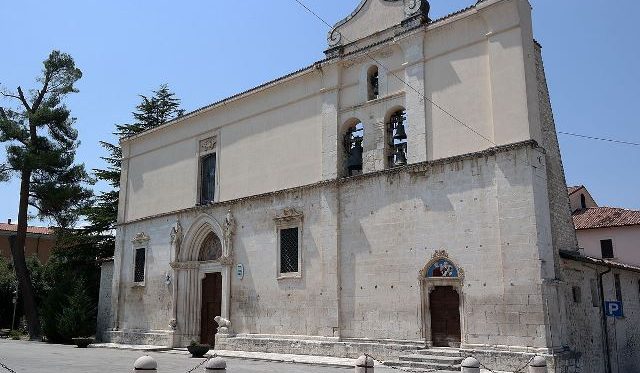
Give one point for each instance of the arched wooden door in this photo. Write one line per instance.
(444, 307)
(211, 307)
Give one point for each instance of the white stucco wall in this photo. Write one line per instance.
(626, 242)
(289, 133)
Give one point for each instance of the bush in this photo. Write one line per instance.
(7, 286)
(78, 318)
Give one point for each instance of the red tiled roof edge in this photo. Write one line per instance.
(34, 230)
(605, 217)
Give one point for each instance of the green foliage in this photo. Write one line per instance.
(7, 286)
(78, 318)
(101, 216)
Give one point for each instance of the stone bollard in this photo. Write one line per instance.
(146, 363)
(538, 365)
(217, 364)
(470, 365)
(364, 364)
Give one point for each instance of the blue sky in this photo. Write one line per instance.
(208, 50)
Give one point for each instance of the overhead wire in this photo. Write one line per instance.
(441, 108)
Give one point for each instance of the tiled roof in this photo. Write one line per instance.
(34, 230)
(603, 217)
(573, 189)
(575, 255)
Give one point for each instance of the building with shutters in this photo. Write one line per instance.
(405, 193)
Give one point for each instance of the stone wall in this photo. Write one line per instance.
(585, 318)
(104, 321)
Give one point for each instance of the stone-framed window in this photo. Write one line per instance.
(140, 253)
(207, 167)
(289, 244)
(373, 83)
(397, 144)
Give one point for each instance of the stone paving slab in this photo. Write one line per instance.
(29, 357)
(129, 347)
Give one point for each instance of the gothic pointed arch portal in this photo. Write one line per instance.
(202, 279)
(442, 301)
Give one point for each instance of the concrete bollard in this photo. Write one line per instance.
(365, 364)
(538, 365)
(470, 365)
(146, 363)
(217, 364)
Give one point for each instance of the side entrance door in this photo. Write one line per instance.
(444, 306)
(211, 307)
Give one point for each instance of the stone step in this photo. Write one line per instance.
(434, 358)
(443, 351)
(427, 365)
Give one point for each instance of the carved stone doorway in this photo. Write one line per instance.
(211, 307)
(444, 302)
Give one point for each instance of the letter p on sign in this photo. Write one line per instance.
(613, 309)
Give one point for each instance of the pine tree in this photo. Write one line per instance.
(41, 147)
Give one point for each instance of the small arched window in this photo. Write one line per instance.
(397, 138)
(211, 248)
(373, 83)
(583, 201)
(353, 149)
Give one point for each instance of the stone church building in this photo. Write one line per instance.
(406, 192)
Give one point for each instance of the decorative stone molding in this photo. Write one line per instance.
(208, 144)
(141, 238)
(173, 324)
(288, 215)
(185, 265)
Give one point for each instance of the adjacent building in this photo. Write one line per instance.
(406, 192)
(605, 232)
(40, 241)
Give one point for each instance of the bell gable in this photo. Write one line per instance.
(373, 16)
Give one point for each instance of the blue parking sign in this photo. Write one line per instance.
(613, 309)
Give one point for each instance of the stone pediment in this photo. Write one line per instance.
(373, 16)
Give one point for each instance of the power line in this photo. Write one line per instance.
(599, 138)
(402, 80)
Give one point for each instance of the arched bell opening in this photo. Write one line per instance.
(396, 137)
(353, 148)
(441, 285)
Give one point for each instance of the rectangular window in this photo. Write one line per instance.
(607, 249)
(595, 293)
(577, 294)
(138, 275)
(618, 288)
(289, 253)
(207, 178)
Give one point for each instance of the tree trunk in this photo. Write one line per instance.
(19, 262)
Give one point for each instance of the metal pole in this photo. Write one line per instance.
(15, 303)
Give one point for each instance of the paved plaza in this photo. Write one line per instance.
(23, 356)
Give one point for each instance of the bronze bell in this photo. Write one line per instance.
(354, 163)
(400, 158)
(400, 134)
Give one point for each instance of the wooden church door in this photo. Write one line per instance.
(444, 306)
(211, 307)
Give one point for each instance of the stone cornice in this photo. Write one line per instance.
(412, 168)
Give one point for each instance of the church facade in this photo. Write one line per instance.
(405, 192)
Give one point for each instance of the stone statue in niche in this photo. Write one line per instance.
(176, 238)
(229, 229)
(173, 324)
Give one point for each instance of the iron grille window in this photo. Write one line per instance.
(289, 259)
(607, 249)
(138, 275)
(207, 178)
